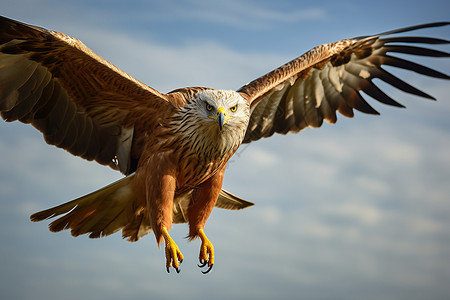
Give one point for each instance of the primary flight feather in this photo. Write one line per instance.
(174, 147)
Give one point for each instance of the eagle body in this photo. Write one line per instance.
(188, 161)
(173, 148)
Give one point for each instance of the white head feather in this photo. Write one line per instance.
(201, 132)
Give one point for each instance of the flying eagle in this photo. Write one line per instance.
(174, 147)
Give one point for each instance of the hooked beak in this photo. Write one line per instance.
(221, 117)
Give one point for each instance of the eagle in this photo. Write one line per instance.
(173, 148)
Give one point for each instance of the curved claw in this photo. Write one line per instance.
(209, 269)
(202, 263)
(177, 269)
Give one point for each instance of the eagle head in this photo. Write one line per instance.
(214, 122)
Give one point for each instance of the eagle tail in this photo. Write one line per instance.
(101, 213)
(227, 200)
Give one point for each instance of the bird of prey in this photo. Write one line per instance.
(174, 147)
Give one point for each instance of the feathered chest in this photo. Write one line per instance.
(203, 151)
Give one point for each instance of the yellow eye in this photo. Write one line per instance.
(209, 107)
(234, 108)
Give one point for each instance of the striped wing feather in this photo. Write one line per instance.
(329, 79)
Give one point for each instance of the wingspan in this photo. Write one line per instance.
(329, 78)
(78, 100)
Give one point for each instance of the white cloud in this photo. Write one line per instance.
(362, 212)
(260, 157)
(241, 14)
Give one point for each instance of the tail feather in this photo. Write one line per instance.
(227, 200)
(136, 229)
(101, 213)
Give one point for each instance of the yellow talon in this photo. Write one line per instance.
(206, 252)
(173, 254)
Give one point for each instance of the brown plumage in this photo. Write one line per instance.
(174, 147)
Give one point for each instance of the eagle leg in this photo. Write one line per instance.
(173, 254)
(202, 203)
(206, 256)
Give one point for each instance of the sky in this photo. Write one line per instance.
(355, 210)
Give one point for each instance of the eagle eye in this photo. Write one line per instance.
(233, 108)
(209, 107)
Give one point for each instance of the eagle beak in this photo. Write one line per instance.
(221, 117)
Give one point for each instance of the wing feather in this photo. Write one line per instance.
(78, 100)
(330, 77)
(412, 66)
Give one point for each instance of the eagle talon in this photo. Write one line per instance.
(202, 263)
(176, 269)
(173, 254)
(206, 257)
(209, 269)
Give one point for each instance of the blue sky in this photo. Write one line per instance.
(356, 210)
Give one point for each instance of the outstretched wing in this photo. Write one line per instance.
(78, 100)
(329, 78)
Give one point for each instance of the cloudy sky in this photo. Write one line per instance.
(356, 210)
